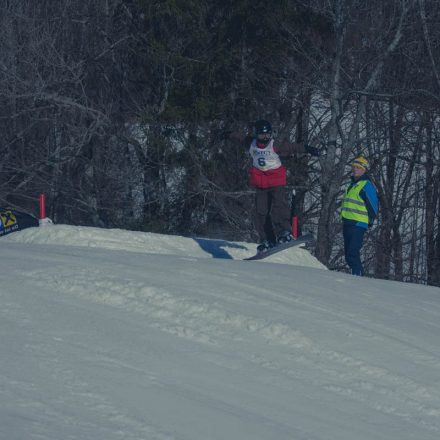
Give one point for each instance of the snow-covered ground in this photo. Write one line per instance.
(109, 334)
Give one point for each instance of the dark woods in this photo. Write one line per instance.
(119, 111)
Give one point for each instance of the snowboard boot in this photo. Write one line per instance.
(264, 246)
(284, 237)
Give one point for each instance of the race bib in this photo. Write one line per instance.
(264, 159)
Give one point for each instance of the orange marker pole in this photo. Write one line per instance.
(42, 206)
(295, 227)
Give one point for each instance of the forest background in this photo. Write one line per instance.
(119, 111)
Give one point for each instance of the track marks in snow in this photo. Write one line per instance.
(205, 318)
(174, 312)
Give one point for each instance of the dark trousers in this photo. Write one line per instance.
(353, 239)
(272, 212)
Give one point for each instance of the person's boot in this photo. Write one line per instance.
(264, 246)
(284, 237)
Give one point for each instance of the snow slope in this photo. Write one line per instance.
(109, 334)
(117, 239)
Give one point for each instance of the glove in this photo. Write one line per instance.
(313, 151)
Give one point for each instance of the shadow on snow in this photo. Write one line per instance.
(216, 247)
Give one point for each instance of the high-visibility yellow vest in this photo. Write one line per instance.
(353, 206)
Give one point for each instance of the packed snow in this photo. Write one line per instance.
(111, 334)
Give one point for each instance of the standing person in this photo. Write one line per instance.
(359, 209)
(268, 177)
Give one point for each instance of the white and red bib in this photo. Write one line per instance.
(264, 159)
(267, 170)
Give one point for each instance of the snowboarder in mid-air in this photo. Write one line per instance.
(268, 177)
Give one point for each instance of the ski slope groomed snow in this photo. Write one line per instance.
(117, 335)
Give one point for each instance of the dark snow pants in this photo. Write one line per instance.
(272, 212)
(353, 240)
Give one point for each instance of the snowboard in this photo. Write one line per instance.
(281, 247)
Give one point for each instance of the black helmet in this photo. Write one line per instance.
(262, 127)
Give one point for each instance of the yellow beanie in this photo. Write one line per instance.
(361, 162)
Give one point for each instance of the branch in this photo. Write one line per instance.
(427, 40)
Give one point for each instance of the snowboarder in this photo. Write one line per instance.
(268, 177)
(359, 209)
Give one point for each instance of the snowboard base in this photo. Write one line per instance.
(281, 247)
